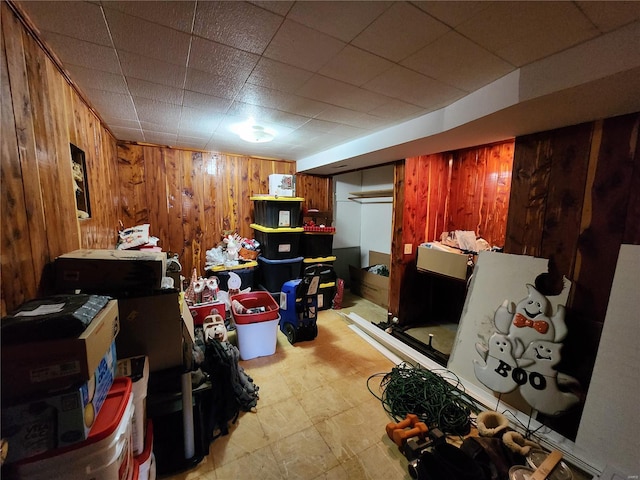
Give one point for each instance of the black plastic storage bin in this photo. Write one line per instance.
(277, 212)
(278, 243)
(317, 241)
(274, 273)
(244, 271)
(327, 287)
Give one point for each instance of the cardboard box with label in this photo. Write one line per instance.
(36, 367)
(442, 260)
(58, 420)
(156, 326)
(109, 271)
(371, 286)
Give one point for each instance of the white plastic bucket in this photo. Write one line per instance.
(137, 368)
(107, 453)
(257, 339)
(145, 458)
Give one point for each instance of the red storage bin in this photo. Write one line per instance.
(252, 300)
(202, 310)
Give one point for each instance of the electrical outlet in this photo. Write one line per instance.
(408, 248)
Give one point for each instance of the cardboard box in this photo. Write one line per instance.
(58, 420)
(443, 261)
(282, 185)
(109, 271)
(37, 367)
(156, 326)
(374, 288)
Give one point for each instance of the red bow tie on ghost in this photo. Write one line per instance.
(521, 321)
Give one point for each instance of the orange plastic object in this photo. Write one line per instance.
(398, 431)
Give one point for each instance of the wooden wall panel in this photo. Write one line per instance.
(461, 190)
(41, 115)
(317, 191)
(574, 193)
(191, 199)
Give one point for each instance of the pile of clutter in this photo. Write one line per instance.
(232, 250)
(465, 240)
(137, 238)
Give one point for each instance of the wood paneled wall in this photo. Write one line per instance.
(460, 190)
(575, 200)
(191, 199)
(41, 115)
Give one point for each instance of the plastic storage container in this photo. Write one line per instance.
(274, 273)
(317, 241)
(278, 243)
(257, 332)
(244, 270)
(327, 287)
(323, 260)
(145, 457)
(277, 212)
(106, 455)
(137, 369)
(202, 310)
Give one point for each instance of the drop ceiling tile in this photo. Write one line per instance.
(397, 109)
(284, 102)
(187, 142)
(160, 113)
(266, 116)
(316, 126)
(177, 15)
(529, 32)
(202, 101)
(418, 29)
(128, 134)
(362, 122)
(136, 35)
(156, 71)
(115, 122)
(210, 84)
(341, 94)
(237, 24)
(219, 59)
(159, 128)
(198, 122)
(355, 66)
(160, 138)
(111, 104)
(342, 20)
(302, 47)
(607, 18)
(412, 87)
(72, 51)
(81, 20)
(155, 91)
(457, 61)
(452, 13)
(88, 79)
(279, 76)
(341, 115)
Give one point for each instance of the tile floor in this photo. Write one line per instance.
(316, 419)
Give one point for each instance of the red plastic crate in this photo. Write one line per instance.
(254, 300)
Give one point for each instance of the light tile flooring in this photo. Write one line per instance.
(316, 419)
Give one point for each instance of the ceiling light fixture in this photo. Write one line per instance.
(251, 132)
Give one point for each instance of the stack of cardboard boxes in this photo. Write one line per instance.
(52, 389)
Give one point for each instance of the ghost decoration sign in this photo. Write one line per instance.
(523, 353)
